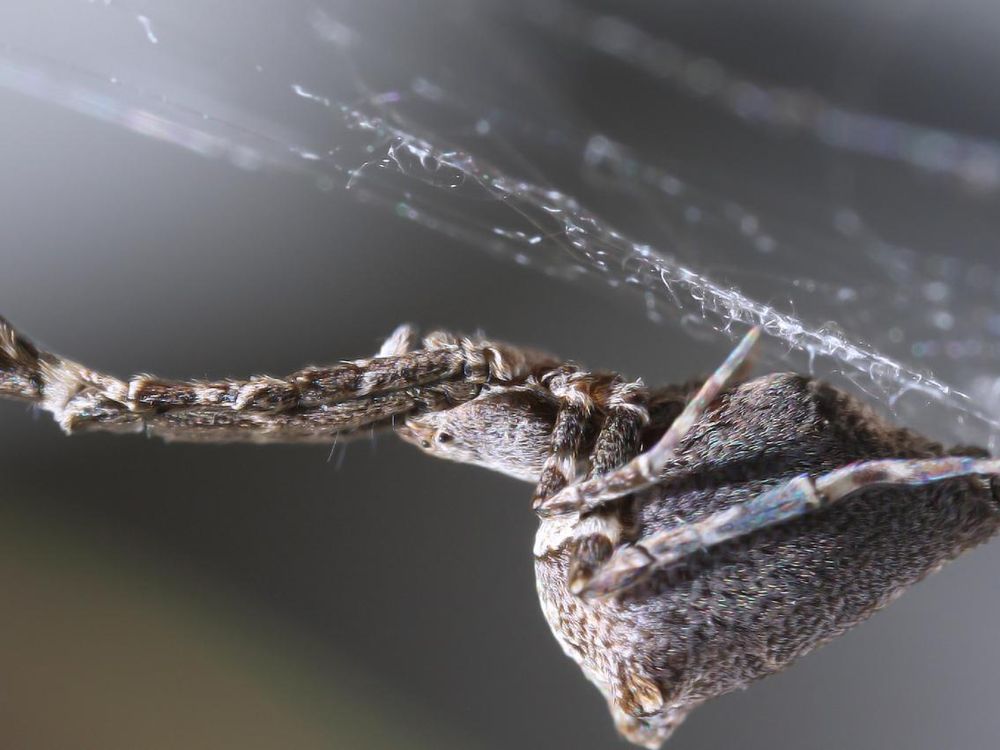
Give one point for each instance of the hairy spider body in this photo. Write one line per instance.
(724, 617)
(692, 538)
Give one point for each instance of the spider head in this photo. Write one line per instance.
(504, 429)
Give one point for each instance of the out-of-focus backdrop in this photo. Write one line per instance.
(234, 187)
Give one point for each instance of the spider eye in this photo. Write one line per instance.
(444, 437)
(425, 444)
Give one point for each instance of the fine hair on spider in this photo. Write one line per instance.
(692, 538)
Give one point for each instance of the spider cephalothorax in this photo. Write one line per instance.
(692, 539)
(504, 428)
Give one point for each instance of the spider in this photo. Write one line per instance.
(693, 538)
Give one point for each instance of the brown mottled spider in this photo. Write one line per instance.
(693, 538)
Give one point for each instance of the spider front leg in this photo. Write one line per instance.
(644, 470)
(312, 404)
(802, 494)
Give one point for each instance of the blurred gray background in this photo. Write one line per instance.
(173, 596)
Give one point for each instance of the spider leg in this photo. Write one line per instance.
(572, 389)
(312, 404)
(618, 441)
(644, 470)
(581, 394)
(798, 496)
(321, 424)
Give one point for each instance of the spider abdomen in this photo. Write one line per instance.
(741, 610)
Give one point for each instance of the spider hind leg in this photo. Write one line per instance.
(802, 494)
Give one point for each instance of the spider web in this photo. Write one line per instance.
(456, 117)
